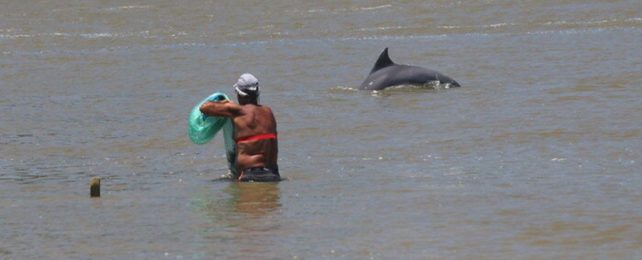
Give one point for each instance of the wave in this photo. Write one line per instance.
(352, 9)
(615, 22)
(128, 7)
(107, 9)
(96, 35)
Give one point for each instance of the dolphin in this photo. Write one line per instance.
(386, 73)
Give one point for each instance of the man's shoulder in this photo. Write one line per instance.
(261, 107)
(267, 107)
(248, 109)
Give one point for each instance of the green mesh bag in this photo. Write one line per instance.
(230, 146)
(203, 128)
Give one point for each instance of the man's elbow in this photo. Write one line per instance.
(203, 108)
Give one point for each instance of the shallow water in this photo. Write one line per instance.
(538, 155)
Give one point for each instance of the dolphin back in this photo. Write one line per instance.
(382, 62)
(385, 73)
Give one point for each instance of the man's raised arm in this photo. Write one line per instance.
(221, 108)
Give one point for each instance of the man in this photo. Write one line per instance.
(254, 131)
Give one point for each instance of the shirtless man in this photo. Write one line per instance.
(254, 131)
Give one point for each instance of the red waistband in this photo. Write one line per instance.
(256, 137)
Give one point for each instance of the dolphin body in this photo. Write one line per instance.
(386, 73)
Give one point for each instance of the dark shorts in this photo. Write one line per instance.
(260, 174)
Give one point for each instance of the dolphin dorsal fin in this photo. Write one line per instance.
(382, 62)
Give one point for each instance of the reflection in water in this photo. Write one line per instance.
(254, 198)
(241, 200)
(255, 205)
(247, 213)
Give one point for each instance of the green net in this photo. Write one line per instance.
(203, 128)
(230, 146)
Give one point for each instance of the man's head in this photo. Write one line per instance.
(247, 89)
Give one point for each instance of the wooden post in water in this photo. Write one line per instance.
(94, 187)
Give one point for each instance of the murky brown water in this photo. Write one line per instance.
(538, 155)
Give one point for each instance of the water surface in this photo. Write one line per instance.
(536, 156)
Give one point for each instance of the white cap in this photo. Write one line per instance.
(247, 85)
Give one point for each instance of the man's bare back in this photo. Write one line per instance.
(255, 133)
